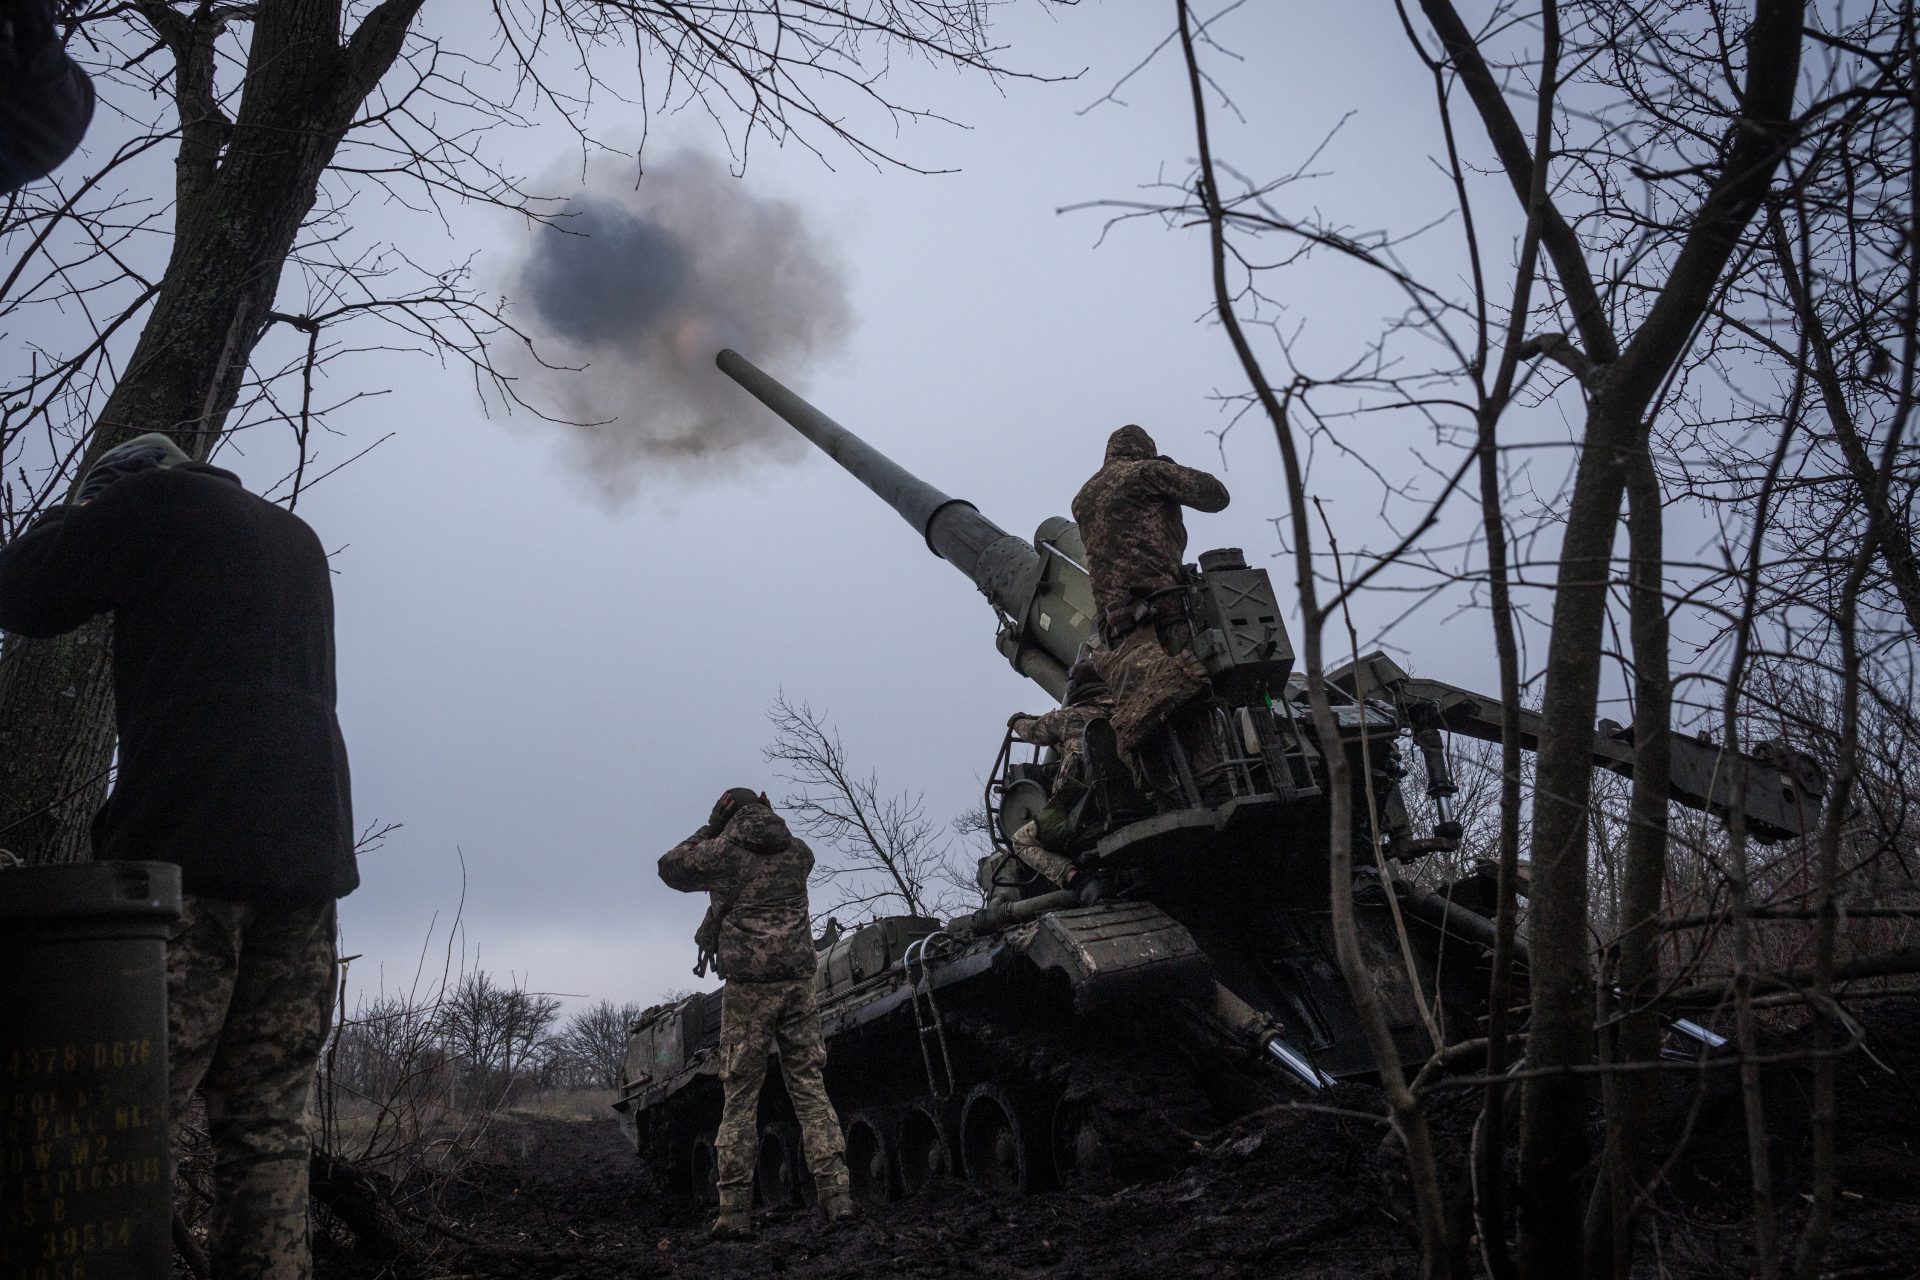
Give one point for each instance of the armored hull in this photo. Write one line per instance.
(1051, 1042)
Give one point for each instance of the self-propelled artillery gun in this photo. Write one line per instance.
(1189, 974)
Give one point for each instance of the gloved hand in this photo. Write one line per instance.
(730, 800)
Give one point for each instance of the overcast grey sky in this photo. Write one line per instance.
(555, 650)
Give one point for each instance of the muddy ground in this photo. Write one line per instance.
(1306, 1193)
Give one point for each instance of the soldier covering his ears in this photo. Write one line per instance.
(758, 933)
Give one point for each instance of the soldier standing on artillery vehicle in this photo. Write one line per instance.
(1040, 843)
(757, 931)
(232, 766)
(1130, 523)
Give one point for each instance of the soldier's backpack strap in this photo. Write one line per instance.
(706, 940)
(707, 937)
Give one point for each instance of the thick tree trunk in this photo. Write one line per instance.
(1553, 1140)
(239, 210)
(1632, 1095)
(56, 741)
(1553, 1147)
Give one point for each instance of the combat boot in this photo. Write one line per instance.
(835, 1201)
(735, 1221)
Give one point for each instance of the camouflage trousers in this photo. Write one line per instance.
(1009, 877)
(1159, 684)
(753, 1017)
(249, 989)
(1152, 673)
(1056, 867)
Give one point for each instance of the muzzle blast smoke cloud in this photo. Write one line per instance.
(641, 286)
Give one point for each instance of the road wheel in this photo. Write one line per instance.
(921, 1146)
(998, 1143)
(778, 1177)
(704, 1170)
(1074, 1141)
(870, 1158)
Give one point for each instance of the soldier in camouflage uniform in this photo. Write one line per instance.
(1038, 843)
(232, 766)
(249, 996)
(1136, 541)
(758, 931)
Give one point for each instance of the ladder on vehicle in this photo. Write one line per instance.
(927, 1018)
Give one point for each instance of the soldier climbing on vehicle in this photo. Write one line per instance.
(1130, 523)
(1042, 843)
(758, 935)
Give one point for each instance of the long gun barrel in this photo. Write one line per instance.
(1040, 593)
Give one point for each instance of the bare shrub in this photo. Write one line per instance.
(589, 1050)
(881, 851)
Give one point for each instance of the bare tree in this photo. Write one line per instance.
(491, 1032)
(1708, 271)
(389, 1050)
(883, 853)
(593, 1043)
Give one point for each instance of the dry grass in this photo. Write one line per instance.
(565, 1104)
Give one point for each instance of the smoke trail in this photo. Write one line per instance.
(642, 288)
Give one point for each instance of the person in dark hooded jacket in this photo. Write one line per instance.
(1136, 541)
(232, 766)
(759, 932)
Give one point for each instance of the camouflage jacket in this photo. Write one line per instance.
(1062, 728)
(1129, 517)
(756, 873)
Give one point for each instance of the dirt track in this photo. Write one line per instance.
(1305, 1193)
